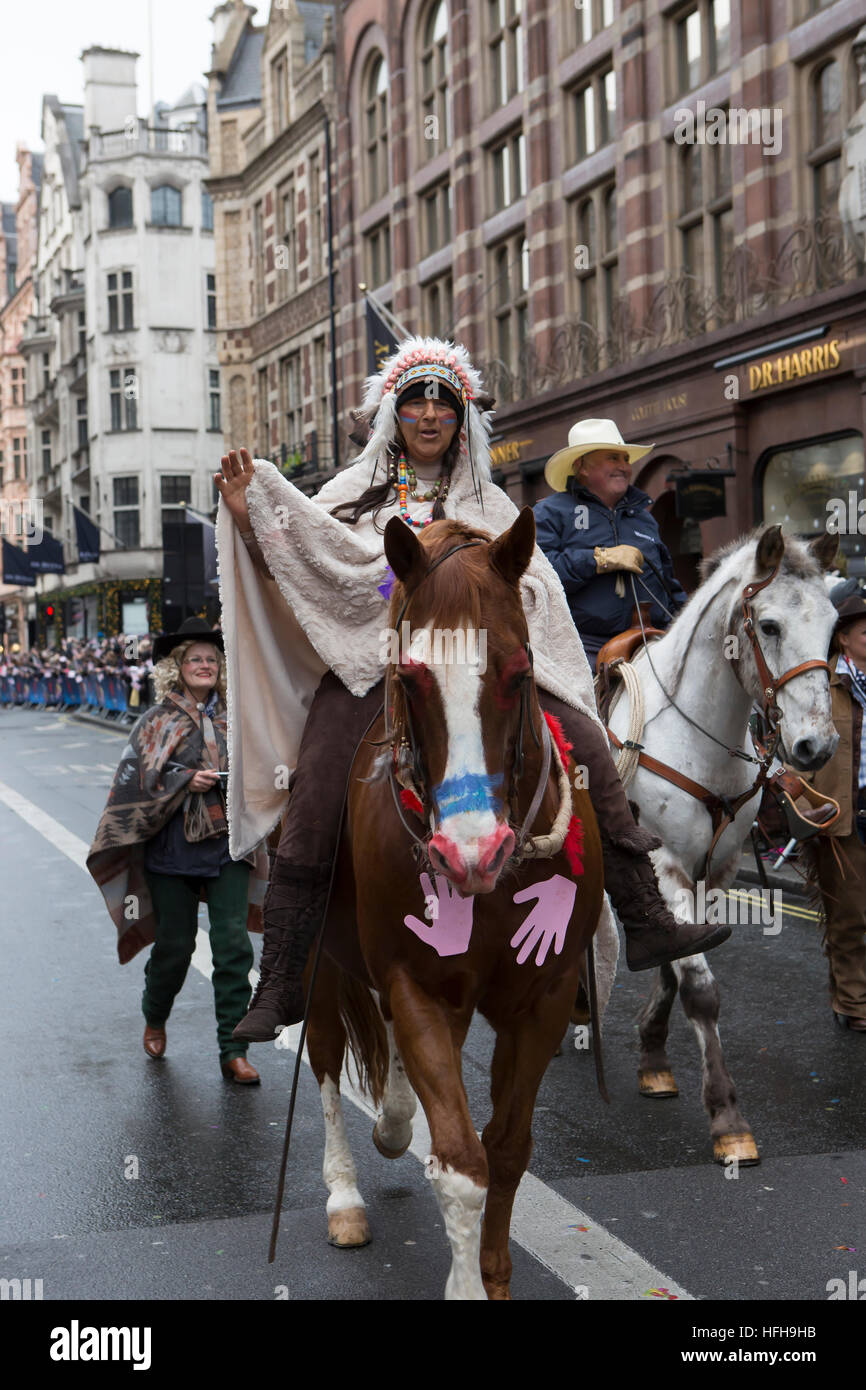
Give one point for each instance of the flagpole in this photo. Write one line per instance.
(388, 318)
(115, 538)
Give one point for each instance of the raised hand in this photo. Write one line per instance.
(450, 925)
(548, 921)
(232, 483)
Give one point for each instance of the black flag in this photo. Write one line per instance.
(47, 556)
(380, 340)
(17, 569)
(87, 536)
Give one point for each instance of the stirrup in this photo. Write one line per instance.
(786, 787)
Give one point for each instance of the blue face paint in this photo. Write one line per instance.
(390, 579)
(471, 792)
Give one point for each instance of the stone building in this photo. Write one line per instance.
(624, 210)
(17, 260)
(124, 384)
(270, 117)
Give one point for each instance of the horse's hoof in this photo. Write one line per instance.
(348, 1229)
(389, 1153)
(742, 1147)
(657, 1084)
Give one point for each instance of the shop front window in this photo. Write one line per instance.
(815, 486)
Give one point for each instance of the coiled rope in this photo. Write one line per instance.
(626, 760)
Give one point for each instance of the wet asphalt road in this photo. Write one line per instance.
(81, 1101)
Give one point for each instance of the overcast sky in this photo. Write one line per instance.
(41, 47)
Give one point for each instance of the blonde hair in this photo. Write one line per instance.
(167, 673)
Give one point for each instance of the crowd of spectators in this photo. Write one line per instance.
(126, 660)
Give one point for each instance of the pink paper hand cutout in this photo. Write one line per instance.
(450, 927)
(548, 921)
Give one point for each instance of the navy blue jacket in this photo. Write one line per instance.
(569, 525)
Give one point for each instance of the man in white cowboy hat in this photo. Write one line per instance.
(597, 530)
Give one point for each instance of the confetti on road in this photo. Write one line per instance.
(845, 1180)
(660, 1293)
(583, 1160)
(852, 1249)
(578, 1228)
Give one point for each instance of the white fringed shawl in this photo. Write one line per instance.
(325, 612)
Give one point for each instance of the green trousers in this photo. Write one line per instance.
(176, 902)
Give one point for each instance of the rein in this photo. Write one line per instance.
(722, 809)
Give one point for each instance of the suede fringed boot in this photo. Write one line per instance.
(294, 910)
(653, 935)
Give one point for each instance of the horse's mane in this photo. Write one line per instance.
(798, 560)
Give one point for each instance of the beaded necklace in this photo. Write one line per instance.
(407, 483)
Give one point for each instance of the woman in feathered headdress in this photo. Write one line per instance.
(304, 587)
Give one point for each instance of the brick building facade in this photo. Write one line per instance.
(520, 174)
(18, 242)
(270, 117)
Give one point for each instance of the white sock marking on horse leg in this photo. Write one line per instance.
(462, 1204)
(338, 1168)
(394, 1125)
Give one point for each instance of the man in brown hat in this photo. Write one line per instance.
(841, 852)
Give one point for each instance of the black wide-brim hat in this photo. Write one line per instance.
(849, 611)
(190, 630)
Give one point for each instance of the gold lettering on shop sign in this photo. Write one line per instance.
(508, 452)
(807, 362)
(661, 406)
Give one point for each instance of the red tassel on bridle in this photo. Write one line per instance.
(410, 802)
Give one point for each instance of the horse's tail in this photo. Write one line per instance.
(366, 1039)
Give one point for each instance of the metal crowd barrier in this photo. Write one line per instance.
(106, 697)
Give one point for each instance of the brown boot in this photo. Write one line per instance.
(653, 936)
(294, 911)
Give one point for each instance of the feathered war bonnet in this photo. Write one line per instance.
(434, 361)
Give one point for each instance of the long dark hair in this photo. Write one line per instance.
(376, 497)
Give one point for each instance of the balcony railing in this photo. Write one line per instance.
(816, 256)
(138, 138)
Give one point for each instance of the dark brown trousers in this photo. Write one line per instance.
(337, 722)
(845, 908)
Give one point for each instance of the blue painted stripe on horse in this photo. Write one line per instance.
(471, 792)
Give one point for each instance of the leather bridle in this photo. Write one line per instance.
(722, 809)
(408, 756)
(770, 684)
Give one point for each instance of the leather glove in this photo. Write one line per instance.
(618, 557)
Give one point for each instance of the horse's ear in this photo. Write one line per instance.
(825, 548)
(511, 552)
(404, 552)
(771, 548)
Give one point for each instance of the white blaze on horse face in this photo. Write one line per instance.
(465, 794)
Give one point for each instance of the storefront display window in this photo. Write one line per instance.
(814, 486)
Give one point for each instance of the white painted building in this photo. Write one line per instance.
(140, 432)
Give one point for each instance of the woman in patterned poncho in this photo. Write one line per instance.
(162, 844)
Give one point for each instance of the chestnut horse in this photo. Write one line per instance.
(437, 906)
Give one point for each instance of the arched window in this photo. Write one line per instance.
(376, 128)
(120, 207)
(435, 101)
(166, 206)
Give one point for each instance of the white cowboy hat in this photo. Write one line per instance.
(583, 437)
